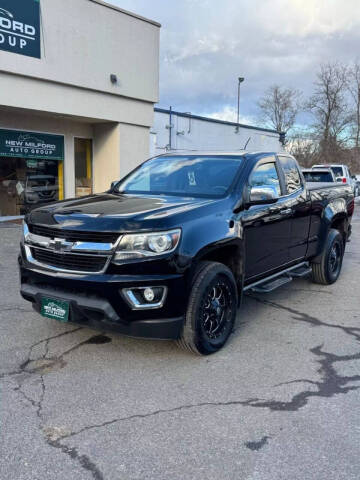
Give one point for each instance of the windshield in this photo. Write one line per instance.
(318, 176)
(196, 176)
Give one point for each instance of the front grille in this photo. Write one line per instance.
(70, 261)
(74, 235)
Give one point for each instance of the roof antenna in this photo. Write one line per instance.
(248, 140)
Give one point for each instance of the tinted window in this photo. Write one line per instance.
(318, 176)
(338, 171)
(292, 175)
(183, 175)
(266, 175)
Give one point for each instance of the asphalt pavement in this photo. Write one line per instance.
(280, 402)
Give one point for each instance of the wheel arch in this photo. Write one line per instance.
(338, 221)
(341, 223)
(230, 253)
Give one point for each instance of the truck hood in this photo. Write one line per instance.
(121, 213)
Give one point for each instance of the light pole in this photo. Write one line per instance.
(240, 80)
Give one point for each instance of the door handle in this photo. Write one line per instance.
(287, 211)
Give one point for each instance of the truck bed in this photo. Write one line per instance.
(322, 185)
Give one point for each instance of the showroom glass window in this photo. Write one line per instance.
(26, 183)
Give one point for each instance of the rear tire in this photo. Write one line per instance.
(327, 271)
(211, 310)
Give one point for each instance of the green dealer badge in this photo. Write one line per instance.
(56, 309)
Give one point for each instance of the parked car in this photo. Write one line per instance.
(40, 189)
(356, 179)
(169, 251)
(323, 175)
(342, 174)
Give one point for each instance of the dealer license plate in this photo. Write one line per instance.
(55, 309)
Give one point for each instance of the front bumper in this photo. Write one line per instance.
(95, 301)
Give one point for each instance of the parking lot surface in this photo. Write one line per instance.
(280, 401)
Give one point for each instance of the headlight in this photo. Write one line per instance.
(25, 231)
(141, 245)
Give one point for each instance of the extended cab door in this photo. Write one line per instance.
(266, 228)
(298, 201)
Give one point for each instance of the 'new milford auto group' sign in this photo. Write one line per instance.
(20, 27)
(21, 144)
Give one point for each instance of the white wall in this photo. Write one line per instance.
(106, 155)
(84, 41)
(134, 147)
(192, 133)
(33, 94)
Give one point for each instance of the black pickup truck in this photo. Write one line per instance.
(170, 249)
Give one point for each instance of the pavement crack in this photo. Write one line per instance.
(257, 445)
(26, 397)
(83, 460)
(39, 342)
(10, 374)
(42, 396)
(155, 413)
(330, 384)
(304, 317)
(47, 340)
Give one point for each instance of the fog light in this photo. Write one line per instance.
(143, 298)
(149, 294)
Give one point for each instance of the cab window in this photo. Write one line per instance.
(292, 174)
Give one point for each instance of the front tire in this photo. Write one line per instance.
(327, 271)
(211, 310)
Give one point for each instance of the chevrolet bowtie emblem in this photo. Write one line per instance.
(61, 245)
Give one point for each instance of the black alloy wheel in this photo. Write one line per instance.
(335, 259)
(211, 310)
(327, 267)
(217, 309)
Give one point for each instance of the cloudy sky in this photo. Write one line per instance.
(207, 44)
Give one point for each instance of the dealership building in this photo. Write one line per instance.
(78, 83)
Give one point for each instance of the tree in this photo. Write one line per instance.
(279, 107)
(354, 89)
(302, 145)
(330, 110)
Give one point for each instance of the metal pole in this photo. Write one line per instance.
(240, 80)
(170, 126)
(238, 106)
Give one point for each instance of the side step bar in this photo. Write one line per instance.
(272, 285)
(272, 282)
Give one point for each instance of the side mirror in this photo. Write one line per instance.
(261, 195)
(113, 184)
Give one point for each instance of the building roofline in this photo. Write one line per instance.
(215, 120)
(126, 12)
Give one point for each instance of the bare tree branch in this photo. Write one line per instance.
(354, 89)
(330, 109)
(279, 107)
